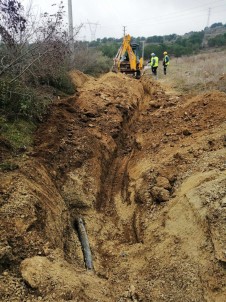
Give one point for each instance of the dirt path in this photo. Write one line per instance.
(145, 168)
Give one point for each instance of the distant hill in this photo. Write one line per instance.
(211, 32)
(178, 45)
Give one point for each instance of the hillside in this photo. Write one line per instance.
(144, 166)
(211, 32)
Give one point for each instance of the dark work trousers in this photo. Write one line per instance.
(164, 68)
(154, 70)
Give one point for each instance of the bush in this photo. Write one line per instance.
(214, 25)
(92, 61)
(99, 65)
(19, 133)
(219, 40)
(8, 166)
(62, 82)
(17, 100)
(31, 53)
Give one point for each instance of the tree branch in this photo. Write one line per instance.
(29, 65)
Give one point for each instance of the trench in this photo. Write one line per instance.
(114, 181)
(104, 233)
(114, 178)
(114, 172)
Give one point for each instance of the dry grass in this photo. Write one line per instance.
(196, 73)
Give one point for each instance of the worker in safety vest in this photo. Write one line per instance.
(165, 61)
(154, 64)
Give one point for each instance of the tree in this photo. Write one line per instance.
(26, 43)
(155, 39)
(30, 50)
(91, 60)
(12, 22)
(109, 50)
(214, 25)
(219, 40)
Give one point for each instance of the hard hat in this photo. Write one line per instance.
(165, 53)
(153, 54)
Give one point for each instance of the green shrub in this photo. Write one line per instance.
(17, 100)
(97, 64)
(8, 166)
(61, 82)
(109, 50)
(218, 40)
(19, 133)
(64, 84)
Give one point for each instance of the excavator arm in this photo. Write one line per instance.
(126, 60)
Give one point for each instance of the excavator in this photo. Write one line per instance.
(127, 59)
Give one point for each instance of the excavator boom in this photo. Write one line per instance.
(127, 59)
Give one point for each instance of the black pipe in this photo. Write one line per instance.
(80, 227)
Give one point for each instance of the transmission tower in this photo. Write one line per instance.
(204, 41)
(124, 31)
(93, 29)
(208, 19)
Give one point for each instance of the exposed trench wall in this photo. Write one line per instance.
(93, 158)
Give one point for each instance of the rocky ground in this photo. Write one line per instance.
(145, 168)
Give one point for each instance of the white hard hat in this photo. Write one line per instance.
(153, 54)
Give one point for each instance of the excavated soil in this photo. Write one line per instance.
(146, 170)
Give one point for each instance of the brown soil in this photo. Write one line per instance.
(146, 169)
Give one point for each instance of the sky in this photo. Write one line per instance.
(109, 18)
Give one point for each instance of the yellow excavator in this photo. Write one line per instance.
(127, 59)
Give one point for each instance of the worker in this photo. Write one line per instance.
(154, 64)
(165, 61)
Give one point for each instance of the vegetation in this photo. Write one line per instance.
(189, 44)
(17, 133)
(36, 57)
(92, 60)
(219, 40)
(8, 166)
(214, 25)
(198, 73)
(34, 64)
(35, 60)
(29, 53)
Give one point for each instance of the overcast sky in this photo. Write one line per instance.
(106, 18)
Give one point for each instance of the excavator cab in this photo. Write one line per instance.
(127, 59)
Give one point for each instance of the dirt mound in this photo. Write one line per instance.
(78, 78)
(146, 170)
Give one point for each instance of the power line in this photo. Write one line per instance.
(181, 12)
(192, 13)
(168, 21)
(175, 14)
(191, 18)
(172, 17)
(173, 21)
